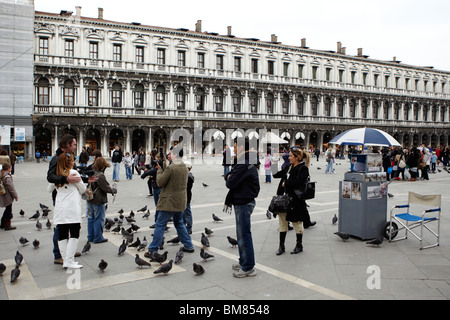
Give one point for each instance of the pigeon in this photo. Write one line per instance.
(23, 241)
(161, 245)
(48, 224)
(116, 229)
(142, 209)
(35, 216)
(2, 268)
(45, 213)
(141, 262)
(268, 214)
(21, 212)
(175, 240)
(131, 215)
(18, 258)
(38, 225)
(134, 227)
(36, 243)
(130, 219)
(205, 185)
(108, 227)
(204, 240)
(146, 215)
(86, 247)
(122, 248)
(165, 268)
(124, 233)
(319, 168)
(232, 241)
(156, 257)
(205, 255)
(344, 236)
(376, 242)
(102, 265)
(135, 244)
(198, 269)
(335, 219)
(15, 273)
(390, 195)
(43, 206)
(216, 218)
(143, 244)
(120, 211)
(179, 256)
(208, 231)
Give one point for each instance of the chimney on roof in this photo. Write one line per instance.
(65, 13)
(339, 47)
(198, 26)
(360, 53)
(343, 50)
(100, 13)
(78, 10)
(274, 38)
(229, 31)
(303, 43)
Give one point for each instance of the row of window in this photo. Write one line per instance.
(117, 94)
(387, 81)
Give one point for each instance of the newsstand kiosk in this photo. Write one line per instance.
(363, 198)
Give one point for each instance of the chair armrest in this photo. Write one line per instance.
(402, 206)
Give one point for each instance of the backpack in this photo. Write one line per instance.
(2, 186)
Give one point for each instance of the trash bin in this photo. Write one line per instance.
(363, 198)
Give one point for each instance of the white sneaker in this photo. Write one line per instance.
(242, 274)
(236, 266)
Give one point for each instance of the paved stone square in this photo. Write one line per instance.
(327, 269)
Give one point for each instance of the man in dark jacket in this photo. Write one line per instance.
(116, 159)
(243, 182)
(83, 158)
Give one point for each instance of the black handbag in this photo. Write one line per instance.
(279, 204)
(308, 193)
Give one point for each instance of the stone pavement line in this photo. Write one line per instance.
(25, 287)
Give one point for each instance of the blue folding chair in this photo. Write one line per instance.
(409, 221)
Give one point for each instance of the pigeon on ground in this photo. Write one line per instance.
(43, 206)
(160, 258)
(179, 256)
(141, 262)
(23, 241)
(102, 265)
(344, 236)
(204, 240)
(124, 233)
(131, 215)
(86, 247)
(205, 185)
(38, 225)
(216, 218)
(208, 232)
(130, 219)
(335, 219)
(15, 273)
(375, 242)
(21, 212)
(116, 229)
(48, 224)
(268, 214)
(135, 244)
(146, 215)
(18, 258)
(319, 168)
(175, 240)
(390, 195)
(142, 209)
(198, 269)
(134, 227)
(122, 248)
(35, 216)
(232, 241)
(45, 212)
(165, 268)
(36, 243)
(120, 211)
(205, 255)
(108, 227)
(143, 244)
(2, 268)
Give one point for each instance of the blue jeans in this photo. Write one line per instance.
(187, 218)
(244, 235)
(116, 167)
(128, 173)
(156, 193)
(56, 252)
(160, 227)
(96, 222)
(329, 166)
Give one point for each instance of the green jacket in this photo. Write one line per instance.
(173, 183)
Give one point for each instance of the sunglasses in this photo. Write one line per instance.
(295, 148)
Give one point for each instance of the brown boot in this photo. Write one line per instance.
(8, 226)
(58, 261)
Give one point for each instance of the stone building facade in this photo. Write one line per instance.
(108, 82)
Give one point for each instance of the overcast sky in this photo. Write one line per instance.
(416, 32)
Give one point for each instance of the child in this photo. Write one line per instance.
(128, 161)
(7, 199)
(67, 213)
(433, 162)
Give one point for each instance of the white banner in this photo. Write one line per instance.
(19, 134)
(5, 135)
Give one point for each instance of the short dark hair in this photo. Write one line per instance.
(179, 151)
(66, 140)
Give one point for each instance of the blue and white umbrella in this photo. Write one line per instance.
(365, 137)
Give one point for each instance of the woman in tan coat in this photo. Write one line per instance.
(7, 199)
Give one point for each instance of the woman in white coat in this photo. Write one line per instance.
(67, 212)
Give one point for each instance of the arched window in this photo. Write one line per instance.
(285, 104)
(352, 106)
(406, 111)
(200, 99)
(181, 98)
(386, 110)
(364, 106)
(300, 105)
(340, 107)
(160, 97)
(69, 93)
(375, 109)
(43, 91)
(139, 96)
(236, 101)
(270, 103)
(93, 94)
(314, 106)
(218, 100)
(116, 95)
(327, 107)
(253, 100)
